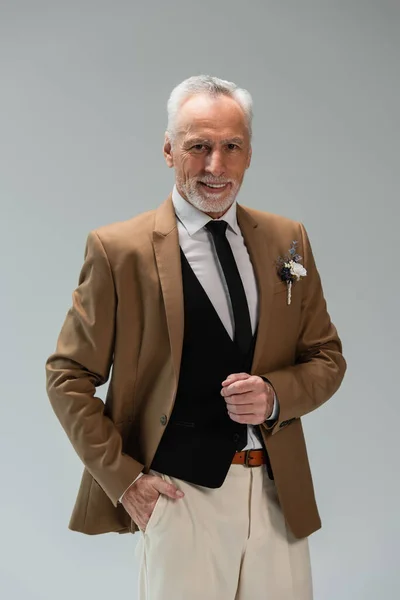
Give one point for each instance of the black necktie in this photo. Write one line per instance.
(243, 333)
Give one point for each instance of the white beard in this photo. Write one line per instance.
(208, 202)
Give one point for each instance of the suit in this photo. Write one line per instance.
(127, 313)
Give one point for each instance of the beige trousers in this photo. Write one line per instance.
(229, 543)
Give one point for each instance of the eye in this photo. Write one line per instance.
(198, 147)
(233, 147)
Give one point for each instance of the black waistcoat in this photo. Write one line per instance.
(200, 439)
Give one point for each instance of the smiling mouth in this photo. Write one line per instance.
(214, 186)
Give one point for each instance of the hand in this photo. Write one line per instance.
(249, 399)
(140, 499)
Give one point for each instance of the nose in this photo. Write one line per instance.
(215, 163)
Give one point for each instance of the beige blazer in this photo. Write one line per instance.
(127, 313)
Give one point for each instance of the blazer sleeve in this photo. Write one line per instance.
(81, 362)
(319, 366)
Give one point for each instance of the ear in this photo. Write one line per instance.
(168, 155)
(249, 157)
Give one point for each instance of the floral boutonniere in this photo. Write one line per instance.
(290, 269)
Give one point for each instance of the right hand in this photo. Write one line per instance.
(140, 499)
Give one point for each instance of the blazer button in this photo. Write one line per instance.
(163, 420)
(236, 437)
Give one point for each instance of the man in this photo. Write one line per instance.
(217, 353)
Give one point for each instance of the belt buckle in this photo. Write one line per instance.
(246, 460)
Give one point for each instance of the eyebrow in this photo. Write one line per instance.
(234, 140)
(198, 140)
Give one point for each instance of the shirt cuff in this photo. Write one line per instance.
(275, 410)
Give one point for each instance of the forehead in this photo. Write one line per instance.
(220, 116)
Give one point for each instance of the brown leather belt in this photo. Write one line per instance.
(250, 458)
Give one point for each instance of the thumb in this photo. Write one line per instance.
(168, 489)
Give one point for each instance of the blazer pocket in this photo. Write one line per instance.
(183, 423)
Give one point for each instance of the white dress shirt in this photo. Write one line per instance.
(198, 246)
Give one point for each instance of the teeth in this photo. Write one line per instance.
(213, 185)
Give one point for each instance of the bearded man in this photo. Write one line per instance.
(217, 349)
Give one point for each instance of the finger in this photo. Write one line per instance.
(239, 387)
(168, 489)
(243, 409)
(244, 419)
(235, 377)
(237, 399)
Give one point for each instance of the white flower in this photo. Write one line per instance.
(297, 270)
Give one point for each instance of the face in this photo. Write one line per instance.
(210, 153)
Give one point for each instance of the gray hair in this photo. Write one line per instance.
(205, 84)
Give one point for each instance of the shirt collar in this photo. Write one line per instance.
(194, 219)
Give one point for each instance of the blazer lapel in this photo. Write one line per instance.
(167, 254)
(256, 242)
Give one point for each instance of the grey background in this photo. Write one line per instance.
(84, 87)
